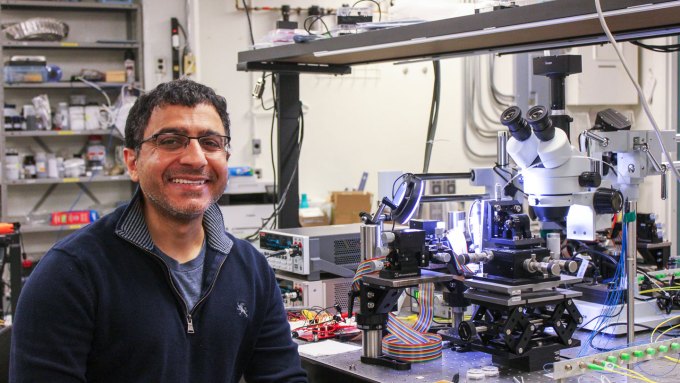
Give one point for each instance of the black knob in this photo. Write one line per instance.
(538, 118)
(607, 201)
(467, 331)
(513, 120)
(590, 179)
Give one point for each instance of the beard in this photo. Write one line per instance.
(185, 212)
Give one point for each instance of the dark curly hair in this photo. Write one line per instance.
(182, 92)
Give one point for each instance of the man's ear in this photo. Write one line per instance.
(130, 157)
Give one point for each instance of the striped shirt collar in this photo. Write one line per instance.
(132, 227)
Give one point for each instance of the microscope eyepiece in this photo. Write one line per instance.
(538, 118)
(513, 120)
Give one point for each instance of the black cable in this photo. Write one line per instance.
(497, 168)
(274, 254)
(657, 48)
(434, 115)
(278, 206)
(275, 78)
(602, 316)
(374, 2)
(315, 19)
(263, 78)
(250, 24)
(588, 249)
(412, 297)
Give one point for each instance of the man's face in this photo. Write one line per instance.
(185, 183)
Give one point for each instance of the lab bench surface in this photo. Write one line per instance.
(347, 368)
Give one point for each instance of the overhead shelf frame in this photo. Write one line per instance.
(549, 25)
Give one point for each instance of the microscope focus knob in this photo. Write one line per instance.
(607, 201)
(590, 179)
(467, 330)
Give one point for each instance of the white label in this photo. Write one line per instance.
(582, 269)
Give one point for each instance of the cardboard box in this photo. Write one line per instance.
(348, 204)
(115, 76)
(313, 216)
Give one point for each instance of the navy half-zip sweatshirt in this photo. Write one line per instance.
(101, 307)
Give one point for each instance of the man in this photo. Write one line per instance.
(157, 291)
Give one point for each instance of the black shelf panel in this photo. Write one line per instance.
(67, 5)
(554, 24)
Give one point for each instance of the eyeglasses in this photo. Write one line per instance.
(174, 142)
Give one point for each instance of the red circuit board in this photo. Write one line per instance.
(325, 330)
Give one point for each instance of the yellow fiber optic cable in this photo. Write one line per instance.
(651, 336)
(637, 376)
(661, 289)
(667, 330)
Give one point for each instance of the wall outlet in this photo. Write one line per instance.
(189, 64)
(161, 67)
(257, 146)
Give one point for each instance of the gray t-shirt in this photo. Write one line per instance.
(188, 277)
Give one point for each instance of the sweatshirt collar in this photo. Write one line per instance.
(132, 227)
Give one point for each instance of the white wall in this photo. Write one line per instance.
(374, 119)
(157, 14)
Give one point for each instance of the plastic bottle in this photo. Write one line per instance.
(29, 167)
(12, 165)
(304, 202)
(41, 165)
(96, 155)
(60, 167)
(52, 167)
(30, 117)
(129, 64)
(61, 118)
(76, 115)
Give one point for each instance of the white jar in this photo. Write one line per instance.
(92, 117)
(52, 166)
(12, 165)
(76, 115)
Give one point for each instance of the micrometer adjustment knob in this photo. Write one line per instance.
(467, 330)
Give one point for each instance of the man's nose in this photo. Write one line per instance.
(193, 154)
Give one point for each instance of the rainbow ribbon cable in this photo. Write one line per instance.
(414, 344)
(365, 267)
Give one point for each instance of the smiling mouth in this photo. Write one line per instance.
(187, 182)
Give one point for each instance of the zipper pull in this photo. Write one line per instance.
(190, 325)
